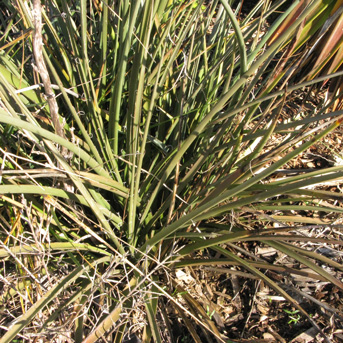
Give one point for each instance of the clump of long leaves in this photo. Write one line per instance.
(159, 123)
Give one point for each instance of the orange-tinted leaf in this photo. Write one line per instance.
(337, 61)
(329, 45)
(338, 4)
(314, 22)
(289, 21)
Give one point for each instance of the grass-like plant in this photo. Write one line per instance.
(135, 135)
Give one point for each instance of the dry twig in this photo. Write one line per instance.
(42, 69)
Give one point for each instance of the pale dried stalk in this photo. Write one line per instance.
(42, 69)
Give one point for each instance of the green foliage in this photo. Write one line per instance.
(294, 316)
(172, 128)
